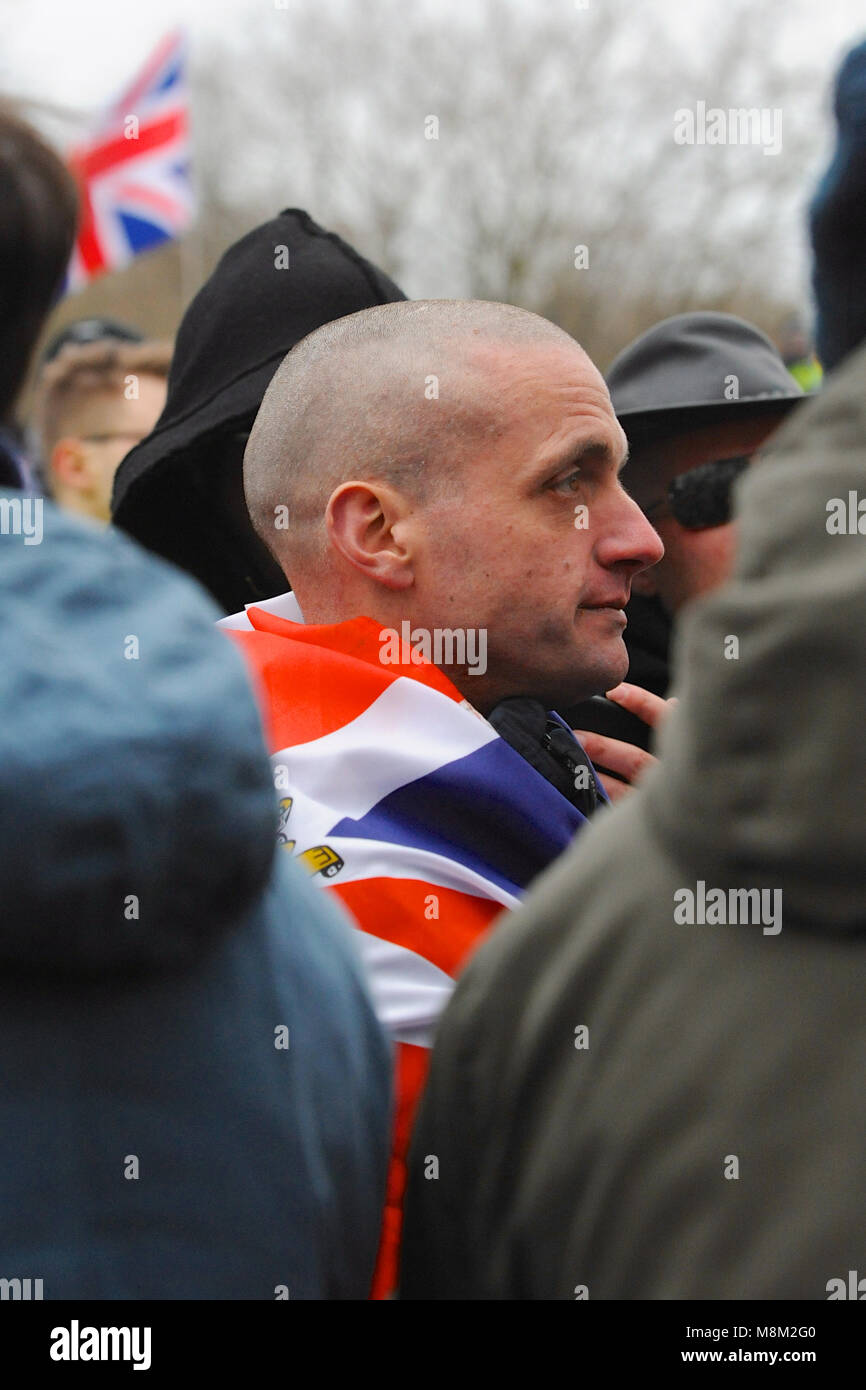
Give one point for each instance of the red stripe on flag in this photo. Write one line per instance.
(400, 910)
(149, 197)
(411, 1074)
(318, 678)
(88, 245)
(307, 692)
(94, 160)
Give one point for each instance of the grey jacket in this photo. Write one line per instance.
(626, 1105)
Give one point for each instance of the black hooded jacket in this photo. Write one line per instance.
(180, 491)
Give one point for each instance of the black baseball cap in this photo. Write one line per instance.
(697, 369)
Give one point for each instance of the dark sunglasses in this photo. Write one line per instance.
(702, 497)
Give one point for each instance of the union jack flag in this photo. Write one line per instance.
(407, 806)
(133, 170)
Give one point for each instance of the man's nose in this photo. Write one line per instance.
(629, 538)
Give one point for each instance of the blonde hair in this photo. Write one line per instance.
(81, 370)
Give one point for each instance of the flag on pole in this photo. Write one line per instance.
(133, 170)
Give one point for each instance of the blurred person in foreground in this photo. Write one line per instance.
(94, 402)
(281, 281)
(838, 222)
(444, 602)
(196, 1092)
(649, 1081)
(196, 1096)
(697, 395)
(38, 215)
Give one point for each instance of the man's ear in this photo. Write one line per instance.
(365, 524)
(644, 582)
(70, 465)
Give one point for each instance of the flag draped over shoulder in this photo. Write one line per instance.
(405, 802)
(133, 169)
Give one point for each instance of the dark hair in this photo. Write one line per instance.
(38, 218)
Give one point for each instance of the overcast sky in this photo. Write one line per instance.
(80, 53)
(75, 56)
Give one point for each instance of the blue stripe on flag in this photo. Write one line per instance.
(142, 235)
(171, 76)
(490, 811)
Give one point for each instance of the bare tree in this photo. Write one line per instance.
(478, 150)
(474, 152)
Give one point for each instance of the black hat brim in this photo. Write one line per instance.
(643, 426)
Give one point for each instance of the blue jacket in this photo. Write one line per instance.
(194, 1091)
(838, 222)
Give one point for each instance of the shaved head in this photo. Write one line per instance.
(398, 393)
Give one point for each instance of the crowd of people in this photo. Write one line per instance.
(430, 785)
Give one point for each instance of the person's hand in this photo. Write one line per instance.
(624, 763)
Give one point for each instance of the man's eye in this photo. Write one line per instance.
(570, 483)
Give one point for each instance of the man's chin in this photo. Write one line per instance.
(569, 689)
(586, 675)
(592, 677)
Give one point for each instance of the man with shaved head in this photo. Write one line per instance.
(440, 483)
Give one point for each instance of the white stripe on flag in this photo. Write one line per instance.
(283, 606)
(409, 992)
(382, 859)
(406, 733)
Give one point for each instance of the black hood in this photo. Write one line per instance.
(179, 492)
